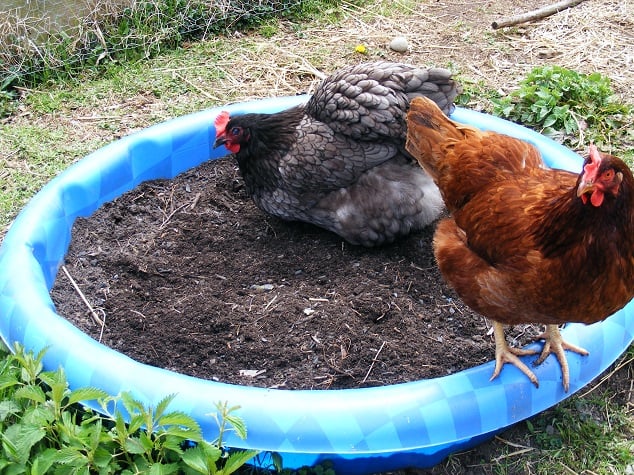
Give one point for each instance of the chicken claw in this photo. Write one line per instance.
(506, 354)
(554, 343)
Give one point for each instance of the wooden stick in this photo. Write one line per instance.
(373, 361)
(82, 297)
(535, 14)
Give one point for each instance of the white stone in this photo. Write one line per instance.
(399, 44)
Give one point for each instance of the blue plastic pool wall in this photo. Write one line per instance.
(362, 430)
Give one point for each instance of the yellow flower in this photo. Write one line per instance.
(361, 49)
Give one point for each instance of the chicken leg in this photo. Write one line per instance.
(554, 343)
(507, 354)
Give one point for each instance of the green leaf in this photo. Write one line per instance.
(238, 425)
(237, 459)
(174, 443)
(542, 113)
(133, 406)
(120, 429)
(86, 394)
(549, 121)
(7, 408)
(163, 469)
(40, 416)
(507, 110)
(71, 456)
(32, 393)
(135, 423)
(180, 419)
(43, 461)
(196, 459)
(278, 463)
(10, 448)
(182, 433)
(146, 442)
(102, 457)
(161, 407)
(19, 439)
(133, 445)
(570, 125)
(8, 380)
(544, 93)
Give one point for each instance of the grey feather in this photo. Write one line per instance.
(339, 161)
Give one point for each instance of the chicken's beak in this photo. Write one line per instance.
(585, 187)
(220, 140)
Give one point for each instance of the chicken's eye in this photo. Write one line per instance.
(236, 131)
(608, 175)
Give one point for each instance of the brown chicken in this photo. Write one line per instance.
(526, 243)
(339, 161)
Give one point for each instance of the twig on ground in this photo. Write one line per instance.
(138, 313)
(195, 201)
(535, 14)
(512, 444)
(103, 325)
(266, 307)
(374, 360)
(430, 338)
(522, 449)
(169, 216)
(97, 117)
(607, 376)
(512, 454)
(93, 313)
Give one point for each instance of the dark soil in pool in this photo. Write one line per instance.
(188, 275)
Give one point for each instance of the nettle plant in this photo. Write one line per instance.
(45, 429)
(559, 102)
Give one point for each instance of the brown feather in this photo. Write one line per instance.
(521, 247)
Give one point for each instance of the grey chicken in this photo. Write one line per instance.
(339, 160)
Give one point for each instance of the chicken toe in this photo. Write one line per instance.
(554, 343)
(506, 354)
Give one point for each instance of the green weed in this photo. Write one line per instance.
(475, 94)
(579, 108)
(45, 429)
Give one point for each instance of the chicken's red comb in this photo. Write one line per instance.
(595, 161)
(221, 121)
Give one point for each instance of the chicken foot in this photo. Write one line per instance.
(554, 343)
(507, 354)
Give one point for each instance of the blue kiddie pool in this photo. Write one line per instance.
(362, 431)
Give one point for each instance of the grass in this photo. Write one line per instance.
(39, 151)
(116, 33)
(61, 118)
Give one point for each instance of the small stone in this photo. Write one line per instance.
(262, 288)
(399, 44)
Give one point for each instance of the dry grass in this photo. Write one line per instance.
(595, 36)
